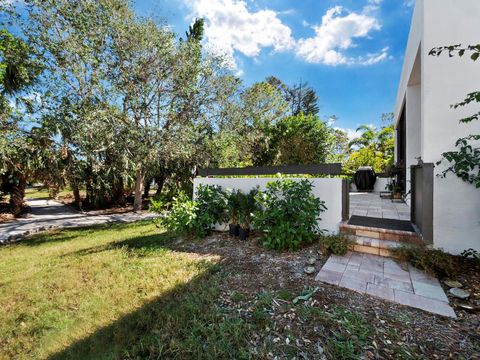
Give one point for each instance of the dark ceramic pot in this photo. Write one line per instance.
(243, 233)
(233, 229)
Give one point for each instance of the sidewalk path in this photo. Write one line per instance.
(49, 214)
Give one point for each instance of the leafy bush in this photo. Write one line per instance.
(247, 205)
(288, 214)
(433, 261)
(233, 206)
(212, 201)
(194, 217)
(335, 244)
(471, 254)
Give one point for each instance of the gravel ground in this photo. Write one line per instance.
(259, 285)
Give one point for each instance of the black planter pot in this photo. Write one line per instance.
(233, 229)
(243, 233)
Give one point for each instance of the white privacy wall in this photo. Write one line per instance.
(429, 85)
(328, 190)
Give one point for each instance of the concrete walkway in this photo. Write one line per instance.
(372, 205)
(387, 279)
(48, 214)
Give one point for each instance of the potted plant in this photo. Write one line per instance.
(397, 192)
(247, 207)
(233, 208)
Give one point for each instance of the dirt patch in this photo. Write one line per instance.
(259, 285)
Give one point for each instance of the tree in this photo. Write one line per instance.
(465, 161)
(262, 106)
(19, 160)
(302, 139)
(339, 146)
(372, 148)
(301, 98)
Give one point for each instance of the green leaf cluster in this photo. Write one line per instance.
(194, 217)
(288, 214)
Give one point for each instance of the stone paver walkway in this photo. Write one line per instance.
(48, 214)
(370, 204)
(387, 279)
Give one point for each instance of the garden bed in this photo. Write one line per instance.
(132, 291)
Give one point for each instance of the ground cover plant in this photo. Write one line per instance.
(288, 214)
(133, 291)
(194, 217)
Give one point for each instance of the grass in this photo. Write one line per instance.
(109, 292)
(42, 193)
(129, 291)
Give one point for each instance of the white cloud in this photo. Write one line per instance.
(409, 2)
(372, 59)
(351, 133)
(335, 35)
(231, 27)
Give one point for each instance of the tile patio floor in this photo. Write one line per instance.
(370, 204)
(387, 279)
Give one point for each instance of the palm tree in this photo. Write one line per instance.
(368, 137)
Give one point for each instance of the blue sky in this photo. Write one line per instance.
(350, 51)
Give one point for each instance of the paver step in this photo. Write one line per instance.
(380, 234)
(373, 246)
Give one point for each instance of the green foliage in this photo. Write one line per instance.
(465, 161)
(350, 340)
(301, 139)
(181, 217)
(289, 214)
(193, 217)
(434, 261)
(233, 206)
(471, 254)
(335, 244)
(372, 148)
(212, 201)
(247, 205)
(19, 67)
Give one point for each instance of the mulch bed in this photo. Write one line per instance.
(395, 331)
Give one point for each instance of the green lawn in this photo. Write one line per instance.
(131, 291)
(113, 292)
(42, 193)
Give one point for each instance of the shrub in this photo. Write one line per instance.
(335, 244)
(471, 254)
(288, 214)
(212, 201)
(194, 217)
(233, 206)
(433, 261)
(247, 205)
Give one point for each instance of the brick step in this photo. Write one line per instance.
(380, 234)
(372, 246)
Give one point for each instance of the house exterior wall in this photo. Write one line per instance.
(327, 190)
(443, 81)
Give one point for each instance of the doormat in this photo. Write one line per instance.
(389, 224)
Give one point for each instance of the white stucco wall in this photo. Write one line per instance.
(328, 190)
(444, 81)
(380, 185)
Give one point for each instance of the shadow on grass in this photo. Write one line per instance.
(62, 235)
(183, 323)
(144, 243)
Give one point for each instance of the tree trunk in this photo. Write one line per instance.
(76, 196)
(137, 204)
(17, 194)
(118, 192)
(146, 190)
(90, 198)
(160, 180)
